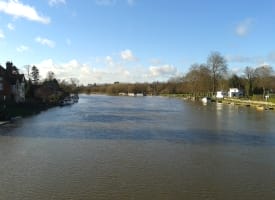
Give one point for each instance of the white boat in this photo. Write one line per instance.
(206, 99)
(67, 101)
(75, 98)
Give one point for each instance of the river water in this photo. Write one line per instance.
(139, 148)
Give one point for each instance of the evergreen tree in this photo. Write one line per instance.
(35, 75)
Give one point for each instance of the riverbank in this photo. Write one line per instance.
(13, 110)
(260, 105)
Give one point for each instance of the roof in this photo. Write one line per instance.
(12, 78)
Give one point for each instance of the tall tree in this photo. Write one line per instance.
(50, 76)
(250, 75)
(218, 67)
(35, 74)
(264, 77)
(235, 81)
(198, 79)
(28, 71)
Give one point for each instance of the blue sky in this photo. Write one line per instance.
(99, 41)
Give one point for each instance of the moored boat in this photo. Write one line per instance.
(260, 108)
(69, 100)
(206, 99)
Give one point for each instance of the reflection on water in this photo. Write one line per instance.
(139, 148)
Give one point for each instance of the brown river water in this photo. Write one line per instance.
(139, 148)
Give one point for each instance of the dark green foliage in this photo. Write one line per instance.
(35, 75)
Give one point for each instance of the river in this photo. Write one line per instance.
(108, 147)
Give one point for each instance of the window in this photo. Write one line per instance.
(1, 86)
(1, 78)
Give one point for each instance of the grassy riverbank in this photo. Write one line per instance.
(256, 101)
(243, 102)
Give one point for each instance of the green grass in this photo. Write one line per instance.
(260, 98)
(271, 99)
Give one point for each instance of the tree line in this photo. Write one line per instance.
(50, 89)
(203, 79)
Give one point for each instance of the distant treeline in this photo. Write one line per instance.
(200, 80)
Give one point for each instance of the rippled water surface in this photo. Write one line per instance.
(139, 148)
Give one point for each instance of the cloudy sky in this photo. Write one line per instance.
(99, 41)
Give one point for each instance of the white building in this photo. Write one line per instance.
(234, 92)
(221, 94)
(131, 94)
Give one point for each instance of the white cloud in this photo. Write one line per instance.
(251, 60)
(72, 69)
(56, 2)
(22, 48)
(2, 35)
(109, 60)
(18, 9)
(162, 71)
(243, 28)
(45, 41)
(107, 70)
(85, 73)
(236, 70)
(127, 55)
(240, 58)
(264, 64)
(11, 26)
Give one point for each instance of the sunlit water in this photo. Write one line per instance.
(139, 148)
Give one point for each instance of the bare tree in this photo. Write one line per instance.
(218, 67)
(74, 84)
(264, 77)
(198, 79)
(50, 76)
(28, 71)
(250, 76)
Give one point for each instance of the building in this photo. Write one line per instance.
(12, 84)
(235, 92)
(5, 89)
(18, 88)
(221, 94)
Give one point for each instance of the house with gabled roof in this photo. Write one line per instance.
(12, 84)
